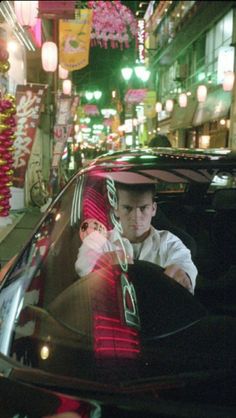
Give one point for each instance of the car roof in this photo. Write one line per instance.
(166, 157)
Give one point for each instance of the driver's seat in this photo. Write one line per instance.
(160, 221)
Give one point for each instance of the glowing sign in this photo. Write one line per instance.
(128, 291)
(141, 41)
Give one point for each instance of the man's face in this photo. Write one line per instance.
(135, 211)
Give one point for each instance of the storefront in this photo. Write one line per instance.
(211, 121)
(181, 122)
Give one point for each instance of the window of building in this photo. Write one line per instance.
(220, 35)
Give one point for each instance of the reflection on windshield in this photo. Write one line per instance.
(88, 294)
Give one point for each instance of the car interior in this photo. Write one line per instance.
(207, 226)
(107, 326)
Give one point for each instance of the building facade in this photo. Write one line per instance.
(191, 46)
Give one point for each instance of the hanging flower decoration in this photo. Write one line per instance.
(112, 22)
(7, 137)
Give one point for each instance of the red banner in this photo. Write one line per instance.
(61, 134)
(28, 104)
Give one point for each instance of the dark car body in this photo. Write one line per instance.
(124, 339)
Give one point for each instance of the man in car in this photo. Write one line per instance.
(137, 239)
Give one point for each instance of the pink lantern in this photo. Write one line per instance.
(49, 55)
(67, 86)
(26, 12)
(62, 72)
(228, 81)
(201, 93)
(169, 105)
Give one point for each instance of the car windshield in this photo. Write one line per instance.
(69, 309)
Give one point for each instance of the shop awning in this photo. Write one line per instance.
(216, 106)
(182, 116)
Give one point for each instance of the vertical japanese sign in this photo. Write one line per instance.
(74, 40)
(141, 41)
(28, 104)
(66, 109)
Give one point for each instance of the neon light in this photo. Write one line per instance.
(141, 41)
(105, 318)
(110, 336)
(132, 350)
(125, 340)
(36, 32)
(102, 275)
(131, 315)
(126, 331)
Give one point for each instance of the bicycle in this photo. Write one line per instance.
(39, 193)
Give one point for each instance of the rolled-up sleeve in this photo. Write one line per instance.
(177, 253)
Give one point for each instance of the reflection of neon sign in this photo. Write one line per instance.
(129, 302)
(128, 291)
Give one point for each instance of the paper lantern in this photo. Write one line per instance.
(158, 107)
(201, 93)
(63, 73)
(204, 141)
(67, 86)
(228, 81)
(169, 105)
(49, 55)
(26, 12)
(183, 100)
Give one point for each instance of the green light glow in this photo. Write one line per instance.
(201, 76)
(97, 94)
(88, 95)
(127, 73)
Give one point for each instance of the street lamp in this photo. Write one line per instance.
(140, 71)
(142, 74)
(90, 95)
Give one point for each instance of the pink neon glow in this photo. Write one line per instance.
(105, 318)
(106, 267)
(106, 279)
(36, 32)
(132, 350)
(125, 340)
(111, 328)
(97, 209)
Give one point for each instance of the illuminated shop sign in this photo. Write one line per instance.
(141, 41)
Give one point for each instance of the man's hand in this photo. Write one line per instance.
(174, 271)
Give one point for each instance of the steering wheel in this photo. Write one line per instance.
(164, 305)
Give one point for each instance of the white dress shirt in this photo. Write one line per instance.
(160, 247)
